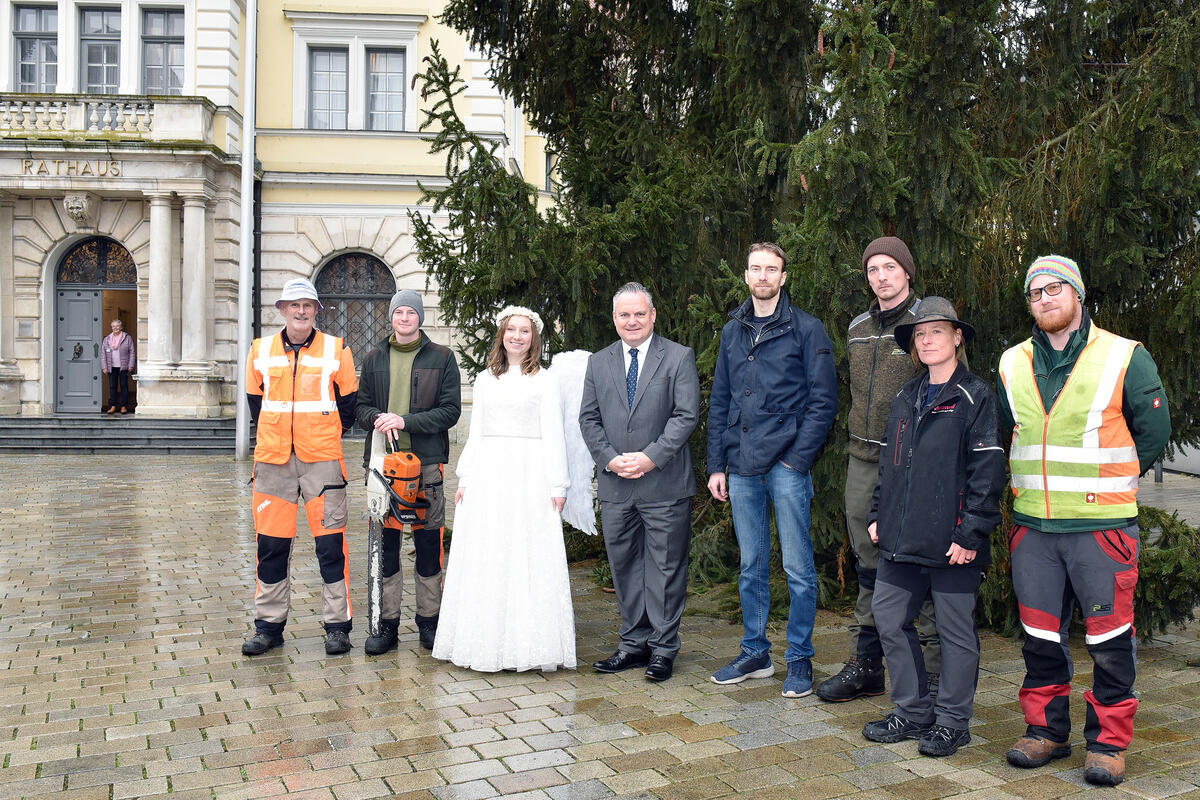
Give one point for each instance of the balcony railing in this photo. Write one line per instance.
(163, 119)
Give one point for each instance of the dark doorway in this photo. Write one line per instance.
(96, 282)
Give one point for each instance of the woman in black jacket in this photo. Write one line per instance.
(941, 471)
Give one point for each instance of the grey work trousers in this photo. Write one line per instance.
(861, 479)
(899, 591)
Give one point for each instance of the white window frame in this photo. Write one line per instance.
(356, 33)
(69, 72)
(312, 57)
(142, 42)
(12, 38)
(118, 38)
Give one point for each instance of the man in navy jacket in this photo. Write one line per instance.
(773, 401)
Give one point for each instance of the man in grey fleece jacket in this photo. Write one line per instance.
(878, 368)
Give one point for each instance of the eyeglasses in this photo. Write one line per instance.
(1051, 289)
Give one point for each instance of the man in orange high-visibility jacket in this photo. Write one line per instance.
(302, 391)
(1088, 415)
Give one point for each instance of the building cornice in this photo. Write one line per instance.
(349, 181)
(339, 22)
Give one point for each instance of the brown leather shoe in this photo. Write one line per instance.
(1034, 751)
(1104, 769)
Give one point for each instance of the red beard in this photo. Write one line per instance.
(1056, 320)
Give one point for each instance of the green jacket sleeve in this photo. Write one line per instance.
(1005, 413)
(1145, 407)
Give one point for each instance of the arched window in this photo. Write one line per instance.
(355, 289)
(98, 261)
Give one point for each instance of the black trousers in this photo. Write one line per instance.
(118, 387)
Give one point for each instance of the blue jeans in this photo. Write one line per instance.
(791, 494)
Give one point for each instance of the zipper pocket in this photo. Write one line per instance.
(1117, 545)
(901, 426)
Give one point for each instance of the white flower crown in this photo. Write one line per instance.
(509, 311)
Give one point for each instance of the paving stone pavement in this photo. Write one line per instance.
(124, 589)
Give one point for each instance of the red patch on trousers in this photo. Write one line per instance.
(1116, 721)
(1035, 700)
(1041, 620)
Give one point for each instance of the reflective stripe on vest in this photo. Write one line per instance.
(310, 411)
(328, 363)
(1078, 461)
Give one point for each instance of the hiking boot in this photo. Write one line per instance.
(260, 643)
(427, 631)
(336, 642)
(1104, 769)
(385, 641)
(894, 728)
(943, 741)
(1034, 751)
(743, 667)
(798, 682)
(860, 677)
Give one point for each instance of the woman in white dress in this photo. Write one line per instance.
(507, 598)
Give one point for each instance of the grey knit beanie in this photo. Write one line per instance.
(407, 297)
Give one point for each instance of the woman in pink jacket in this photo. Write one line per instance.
(116, 360)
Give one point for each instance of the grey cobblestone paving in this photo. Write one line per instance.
(124, 589)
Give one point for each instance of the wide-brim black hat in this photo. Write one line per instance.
(931, 309)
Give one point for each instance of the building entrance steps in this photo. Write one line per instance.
(115, 433)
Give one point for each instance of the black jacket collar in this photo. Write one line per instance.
(288, 344)
(886, 318)
(745, 312)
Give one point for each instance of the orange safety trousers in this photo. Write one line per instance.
(278, 491)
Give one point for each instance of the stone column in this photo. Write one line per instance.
(196, 287)
(10, 375)
(160, 315)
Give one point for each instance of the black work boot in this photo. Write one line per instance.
(861, 677)
(337, 642)
(260, 643)
(427, 631)
(385, 641)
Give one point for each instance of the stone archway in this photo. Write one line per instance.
(95, 282)
(355, 289)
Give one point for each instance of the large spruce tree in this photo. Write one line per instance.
(983, 133)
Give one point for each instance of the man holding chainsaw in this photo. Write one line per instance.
(301, 389)
(411, 393)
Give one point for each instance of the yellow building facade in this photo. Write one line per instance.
(341, 155)
(120, 141)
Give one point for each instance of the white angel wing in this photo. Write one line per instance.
(568, 370)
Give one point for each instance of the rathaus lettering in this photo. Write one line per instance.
(70, 167)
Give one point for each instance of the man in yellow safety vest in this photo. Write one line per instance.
(1088, 415)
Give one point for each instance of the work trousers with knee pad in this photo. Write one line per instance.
(278, 490)
(1099, 571)
(861, 480)
(427, 542)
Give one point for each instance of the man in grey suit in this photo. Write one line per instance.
(641, 401)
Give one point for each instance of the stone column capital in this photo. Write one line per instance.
(158, 197)
(195, 198)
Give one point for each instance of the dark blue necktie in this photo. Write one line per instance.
(631, 376)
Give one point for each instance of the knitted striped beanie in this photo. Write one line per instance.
(1059, 267)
